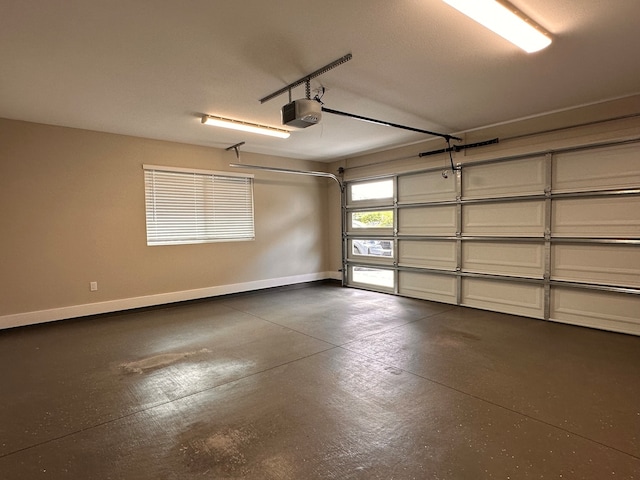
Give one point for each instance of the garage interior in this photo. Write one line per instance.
(458, 300)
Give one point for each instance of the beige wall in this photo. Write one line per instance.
(72, 212)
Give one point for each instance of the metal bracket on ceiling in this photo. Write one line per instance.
(307, 78)
(236, 147)
(457, 148)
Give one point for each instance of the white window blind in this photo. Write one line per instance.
(197, 206)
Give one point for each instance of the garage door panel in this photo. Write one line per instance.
(426, 187)
(599, 169)
(501, 258)
(439, 254)
(506, 219)
(604, 264)
(608, 310)
(516, 298)
(428, 286)
(597, 217)
(439, 220)
(522, 177)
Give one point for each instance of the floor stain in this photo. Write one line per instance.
(393, 370)
(159, 361)
(225, 452)
(455, 338)
(238, 452)
(278, 467)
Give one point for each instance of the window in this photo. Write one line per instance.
(372, 219)
(372, 247)
(372, 190)
(372, 276)
(197, 206)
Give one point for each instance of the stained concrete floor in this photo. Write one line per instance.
(320, 382)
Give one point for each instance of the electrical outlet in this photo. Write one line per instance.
(93, 286)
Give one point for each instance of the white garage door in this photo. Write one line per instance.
(550, 236)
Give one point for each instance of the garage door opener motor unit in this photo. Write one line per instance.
(301, 113)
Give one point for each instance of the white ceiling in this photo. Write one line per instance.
(151, 68)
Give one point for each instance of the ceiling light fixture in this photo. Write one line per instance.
(507, 21)
(244, 126)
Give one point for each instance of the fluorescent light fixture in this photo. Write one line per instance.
(505, 20)
(244, 126)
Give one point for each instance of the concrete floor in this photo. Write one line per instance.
(317, 382)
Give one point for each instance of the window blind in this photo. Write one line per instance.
(197, 206)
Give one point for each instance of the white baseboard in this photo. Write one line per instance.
(74, 311)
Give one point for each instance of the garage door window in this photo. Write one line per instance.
(379, 189)
(371, 247)
(375, 277)
(379, 219)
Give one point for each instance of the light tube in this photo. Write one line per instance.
(244, 126)
(505, 20)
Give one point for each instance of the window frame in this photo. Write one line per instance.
(191, 206)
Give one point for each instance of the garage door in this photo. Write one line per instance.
(554, 236)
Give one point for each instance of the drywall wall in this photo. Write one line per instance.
(73, 212)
